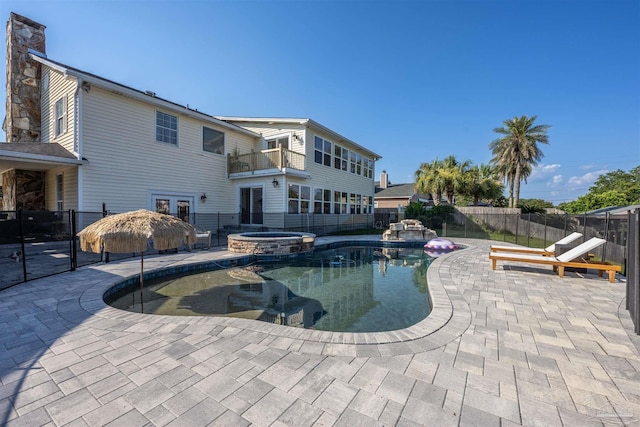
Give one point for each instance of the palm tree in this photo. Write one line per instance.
(518, 150)
(429, 180)
(454, 174)
(482, 183)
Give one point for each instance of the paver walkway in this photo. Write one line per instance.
(515, 346)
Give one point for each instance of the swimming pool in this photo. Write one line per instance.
(345, 289)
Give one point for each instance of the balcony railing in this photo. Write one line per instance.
(276, 158)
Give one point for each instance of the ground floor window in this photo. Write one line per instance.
(340, 202)
(298, 198)
(322, 201)
(173, 204)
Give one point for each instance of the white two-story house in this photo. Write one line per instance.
(76, 140)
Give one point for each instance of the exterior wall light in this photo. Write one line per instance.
(275, 183)
(203, 197)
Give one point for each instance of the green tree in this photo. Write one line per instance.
(455, 174)
(429, 180)
(482, 184)
(619, 180)
(617, 188)
(414, 210)
(534, 205)
(518, 150)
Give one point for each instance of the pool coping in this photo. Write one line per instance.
(450, 315)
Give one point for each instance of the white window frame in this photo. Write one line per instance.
(224, 142)
(60, 117)
(163, 127)
(326, 151)
(322, 200)
(60, 192)
(300, 201)
(173, 199)
(277, 140)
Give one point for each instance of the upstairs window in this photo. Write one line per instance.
(369, 170)
(166, 128)
(212, 140)
(322, 151)
(341, 157)
(60, 125)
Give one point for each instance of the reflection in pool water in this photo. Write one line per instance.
(350, 289)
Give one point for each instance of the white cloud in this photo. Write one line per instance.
(543, 172)
(556, 181)
(587, 179)
(591, 166)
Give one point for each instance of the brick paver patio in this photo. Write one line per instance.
(515, 346)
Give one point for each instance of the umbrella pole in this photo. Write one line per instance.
(141, 280)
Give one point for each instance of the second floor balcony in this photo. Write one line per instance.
(276, 158)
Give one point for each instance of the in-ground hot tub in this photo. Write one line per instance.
(271, 243)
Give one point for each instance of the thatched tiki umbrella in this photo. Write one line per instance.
(131, 231)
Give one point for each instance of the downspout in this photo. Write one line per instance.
(77, 136)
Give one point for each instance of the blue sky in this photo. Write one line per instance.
(411, 80)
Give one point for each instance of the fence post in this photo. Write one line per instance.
(606, 233)
(104, 214)
(545, 229)
(74, 241)
(24, 254)
(517, 223)
(529, 230)
(504, 229)
(584, 227)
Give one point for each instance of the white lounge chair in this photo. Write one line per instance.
(549, 250)
(574, 258)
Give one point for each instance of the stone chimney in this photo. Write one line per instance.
(384, 179)
(22, 122)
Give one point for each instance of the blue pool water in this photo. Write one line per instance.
(348, 289)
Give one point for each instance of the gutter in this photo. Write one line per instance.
(77, 135)
(42, 158)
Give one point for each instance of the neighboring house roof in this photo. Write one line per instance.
(613, 210)
(303, 122)
(144, 96)
(35, 153)
(399, 191)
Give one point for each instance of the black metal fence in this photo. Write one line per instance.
(35, 244)
(541, 230)
(633, 269)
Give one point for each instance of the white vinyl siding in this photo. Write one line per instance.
(328, 177)
(126, 164)
(70, 187)
(59, 88)
(277, 131)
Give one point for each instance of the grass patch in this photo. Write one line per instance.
(456, 230)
